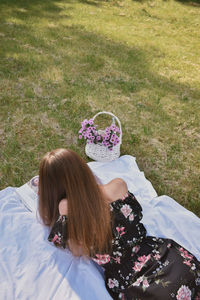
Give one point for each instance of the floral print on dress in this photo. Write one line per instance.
(126, 210)
(131, 217)
(183, 293)
(112, 283)
(140, 266)
(142, 281)
(58, 234)
(141, 261)
(102, 259)
(136, 251)
(120, 230)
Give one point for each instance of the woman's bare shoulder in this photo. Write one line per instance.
(115, 189)
(120, 184)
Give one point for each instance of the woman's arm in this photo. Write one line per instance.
(63, 207)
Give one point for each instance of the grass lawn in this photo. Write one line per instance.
(62, 61)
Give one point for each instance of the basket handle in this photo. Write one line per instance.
(114, 117)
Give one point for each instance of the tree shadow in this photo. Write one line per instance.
(194, 3)
(96, 3)
(24, 9)
(95, 52)
(91, 53)
(81, 62)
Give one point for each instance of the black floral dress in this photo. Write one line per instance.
(140, 266)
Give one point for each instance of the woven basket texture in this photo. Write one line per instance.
(100, 152)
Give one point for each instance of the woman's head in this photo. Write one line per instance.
(64, 174)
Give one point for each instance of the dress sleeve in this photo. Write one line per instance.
(128, 206)
(128, 231)
(58, 234)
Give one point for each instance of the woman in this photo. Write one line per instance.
(103, 222)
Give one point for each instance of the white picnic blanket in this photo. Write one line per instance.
(32, 268)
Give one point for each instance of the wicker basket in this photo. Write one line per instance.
(100, 152)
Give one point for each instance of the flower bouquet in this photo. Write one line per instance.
(101, 145)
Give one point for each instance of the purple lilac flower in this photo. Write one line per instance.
(113, 136)
(89, 142)
(104, 138)
(84, 135)
(91, 121)
(89, 132)
(98, 137)
(83, 127)
(89, 135)
(115, 129)
(85, 122)
(117, 139)
(112, 127)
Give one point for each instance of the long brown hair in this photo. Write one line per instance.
(64, 174)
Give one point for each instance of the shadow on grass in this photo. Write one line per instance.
(26, 52)
(188, 2)
(195, 3)
(80, 56)
(82, 63)
(92, 3)
(25, 9)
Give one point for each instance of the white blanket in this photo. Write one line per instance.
(32, 268)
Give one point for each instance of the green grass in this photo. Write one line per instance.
(63, 61)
